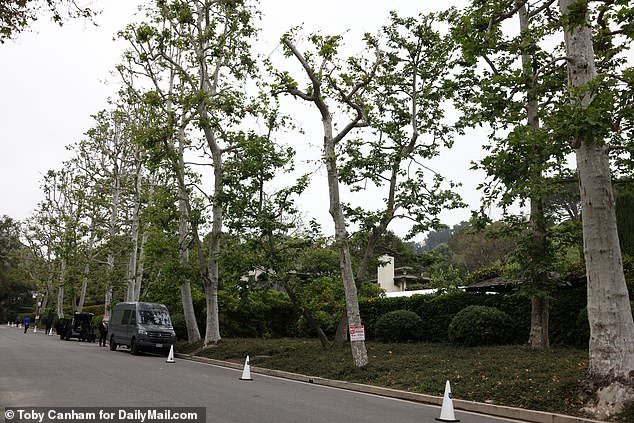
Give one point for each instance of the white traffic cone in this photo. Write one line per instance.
(446, 412)
(246, 373)
(34, 329)
(170, 356)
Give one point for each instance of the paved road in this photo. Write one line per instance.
(43, 371)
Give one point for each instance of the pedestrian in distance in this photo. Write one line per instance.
(103, 333)
(27, 322)
(49, 323)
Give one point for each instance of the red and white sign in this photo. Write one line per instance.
(357, 333)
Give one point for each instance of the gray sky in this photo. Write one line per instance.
(54, 79)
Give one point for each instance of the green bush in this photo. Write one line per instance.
(481, 325)
(94, 309)
(439, 310)
(178, 322)
(372, 309)
(398, 326)
(568, 320)
(257, 313)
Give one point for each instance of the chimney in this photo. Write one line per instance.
(385, 274)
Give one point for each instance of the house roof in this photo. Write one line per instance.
(493, 284)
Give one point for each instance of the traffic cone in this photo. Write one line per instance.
(446, 412)
(170, 356)
(34, 329)
(246, 373)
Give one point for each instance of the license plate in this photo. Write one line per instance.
(159, 345)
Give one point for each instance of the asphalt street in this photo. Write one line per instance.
(37, 370)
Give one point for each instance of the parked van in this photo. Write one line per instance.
(141, 326)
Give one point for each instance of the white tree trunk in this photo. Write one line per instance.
(114, 218)
(212, 334)
(359, 352)
(140, 267)
(84, 283)
(60, 289)
(135, 229)
(611, 349)
(193, 333)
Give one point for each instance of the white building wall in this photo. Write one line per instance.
(385, 274)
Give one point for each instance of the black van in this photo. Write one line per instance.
(80, 327)
(141, 327)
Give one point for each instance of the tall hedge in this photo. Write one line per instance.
(567, 304)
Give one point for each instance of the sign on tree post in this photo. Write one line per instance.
(357, 333)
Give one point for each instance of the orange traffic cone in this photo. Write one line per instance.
(446, 412)
(246, 373)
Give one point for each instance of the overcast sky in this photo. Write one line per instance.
(53, 79)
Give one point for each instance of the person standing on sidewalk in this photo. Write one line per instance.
(27, 322)
(49, 323)
(103, 333)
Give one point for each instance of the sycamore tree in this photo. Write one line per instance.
(164, 138)
(334, 88)
(511, 80)
(409, 95)
(17, 15)
(15, 289)
(207, 45)
(591, 36)
(264, 221)
(409, 98)
(62, 211)
(595, 110)
(104, 156)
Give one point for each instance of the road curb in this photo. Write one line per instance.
(471, 406)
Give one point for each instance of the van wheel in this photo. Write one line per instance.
(134, 349)
(113, 345)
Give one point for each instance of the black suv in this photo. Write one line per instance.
(80, 327)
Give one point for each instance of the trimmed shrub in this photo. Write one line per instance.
(398, 326)
(438, 312)
(481, 325)
(372, 310)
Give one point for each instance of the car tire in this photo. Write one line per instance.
(113, 345)
(134, 349)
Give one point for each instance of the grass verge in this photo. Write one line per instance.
(514, 376)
